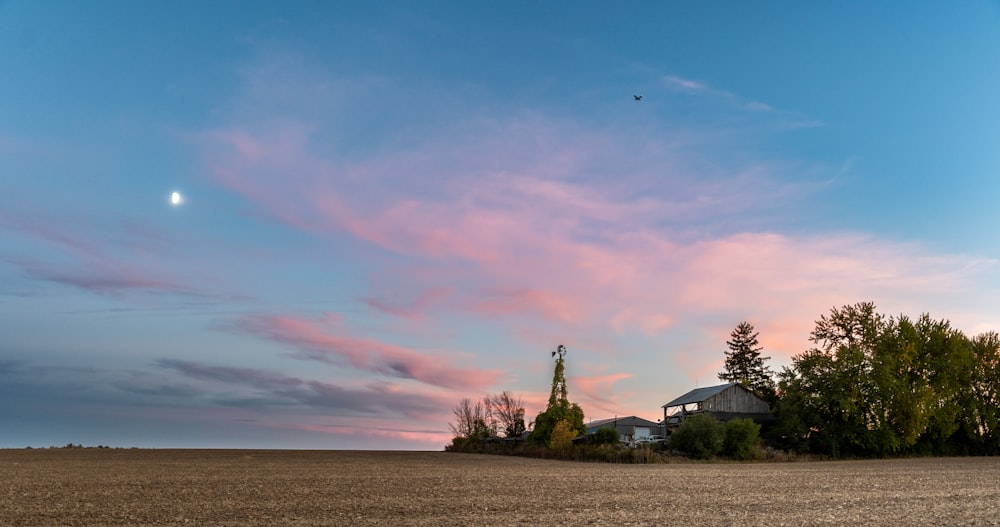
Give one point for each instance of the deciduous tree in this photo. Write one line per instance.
(508, 411)
(875, 385)
(980, 397)
(471, 420)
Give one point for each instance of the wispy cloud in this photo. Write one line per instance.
(274, 389)
(379, 429)
(91, 262)
(701, 88)
(327, 340)
(177, 390)
(539, 227)
(409, 308)
(598, 391)
(686, 84)
(788, 119)
(104, 279)
(11, 366)
(576, 251)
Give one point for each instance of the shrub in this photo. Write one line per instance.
(460, 444)
(699, 436)
(643, 455)
(606, 453)
(605, 436)
(562, 436)
(742, 437)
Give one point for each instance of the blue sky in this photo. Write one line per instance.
(392, 206)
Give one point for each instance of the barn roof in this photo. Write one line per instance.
(699, 394)
(630, 420)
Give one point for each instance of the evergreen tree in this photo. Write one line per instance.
(744, 364)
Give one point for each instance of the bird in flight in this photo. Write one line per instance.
(637, 97)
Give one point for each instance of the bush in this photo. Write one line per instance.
(606, 436)
(742, 437)
(562, 436)
(461, 444)
(643, 455)
(606, 453)
(699, 436)
(546, 422)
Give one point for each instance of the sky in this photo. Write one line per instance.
(387, 207)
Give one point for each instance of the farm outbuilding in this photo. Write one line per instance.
(724, 402)
(630, 428)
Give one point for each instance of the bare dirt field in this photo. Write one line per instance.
(98, 487)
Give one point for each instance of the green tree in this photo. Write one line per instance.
(741, 439)
(830, 384)
(794, 428)
(559, 407)
(876, 385)
(979, 425)
(925, 405)
(745, 365)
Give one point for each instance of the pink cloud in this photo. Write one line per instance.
(571, 252)
(552, 306)
(544, 228)
(326, 340)
(410, 309)
(596, 390)
(371, 430)
(648, 322)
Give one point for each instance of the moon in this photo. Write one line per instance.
(176, 198)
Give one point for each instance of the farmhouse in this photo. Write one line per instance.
(629, 428)
(724, 402)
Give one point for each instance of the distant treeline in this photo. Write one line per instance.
(72, 446)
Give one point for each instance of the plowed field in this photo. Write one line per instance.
(92, 487)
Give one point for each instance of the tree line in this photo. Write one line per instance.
(877, 385)
(870, 385)
(502, 417)
(874, 385)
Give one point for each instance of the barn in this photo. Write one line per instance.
(724, 402)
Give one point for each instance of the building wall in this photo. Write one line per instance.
(735, 399)
(630, 428)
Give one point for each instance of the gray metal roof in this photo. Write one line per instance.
(699, 394)
(630, 420)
